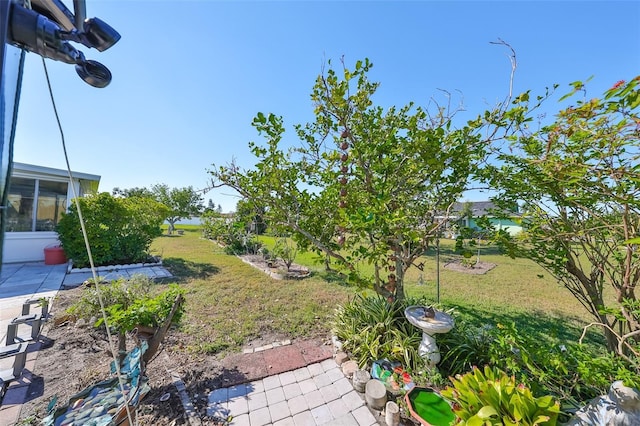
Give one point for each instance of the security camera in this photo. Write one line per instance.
(48, 34)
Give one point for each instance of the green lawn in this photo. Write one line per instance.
(515, 290)
(229, 302)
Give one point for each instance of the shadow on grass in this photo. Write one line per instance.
(333, 277)
(534, 324)
(448, 253)
(182, 268)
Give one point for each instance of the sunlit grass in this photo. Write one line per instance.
(516, 290)
(230, 303)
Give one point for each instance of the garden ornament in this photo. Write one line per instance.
(621, 407)
(431, 322)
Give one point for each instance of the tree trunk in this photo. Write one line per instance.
(158, 337)
(596, 300)
(399, 278)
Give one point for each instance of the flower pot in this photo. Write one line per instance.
(54, 255)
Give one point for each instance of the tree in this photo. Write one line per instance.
(183, 203)
(467, 211)
(132, 192)
(364, 184)
(251, 216)
(578, 181)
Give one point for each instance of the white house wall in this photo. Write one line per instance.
(29, 246)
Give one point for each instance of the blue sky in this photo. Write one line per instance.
(189, 76)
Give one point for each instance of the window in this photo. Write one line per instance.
(35, 205)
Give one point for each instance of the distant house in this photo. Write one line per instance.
(37, 198)
(479, 209)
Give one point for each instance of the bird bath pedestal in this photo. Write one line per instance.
(431, 322)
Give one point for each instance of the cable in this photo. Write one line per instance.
(86, 242)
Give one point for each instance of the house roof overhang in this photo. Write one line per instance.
(22, 168)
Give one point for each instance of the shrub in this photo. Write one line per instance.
(127, 304)
(213, 225)
(120, 230)
(147, 311)
(286, 250)
(573, 373)
(371, 328)
(232, 235)
(121, 292)
(494, 398)
(464, 347)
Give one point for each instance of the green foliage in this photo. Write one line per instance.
(229, 233)
(371, 328)
(464, 347)
(147, 311)
(128, 303)
(121, 292)
(366, 183)
(494, 398)
(573, 373)
(251, 216)
(578, 183)
(213, 225)
(120, 230)
(286, 250)
(181, 202)
(132, 192)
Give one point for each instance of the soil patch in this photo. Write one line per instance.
(74, 356)
(479, 268)
(277, 269)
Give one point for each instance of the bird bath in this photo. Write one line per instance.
(431, 322)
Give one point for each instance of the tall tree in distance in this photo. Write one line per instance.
(133, 192)
(183, 203)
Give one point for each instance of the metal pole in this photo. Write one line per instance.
(438, 270)
(11, 63)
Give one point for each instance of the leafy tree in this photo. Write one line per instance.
(183, 203)
(232, 234)
(120, 230)
(467, 211)
(364, 184)
(578, 181)
(251, 216)
(132, 192)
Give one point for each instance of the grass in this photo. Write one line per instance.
(515, 290)
(230, 303)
